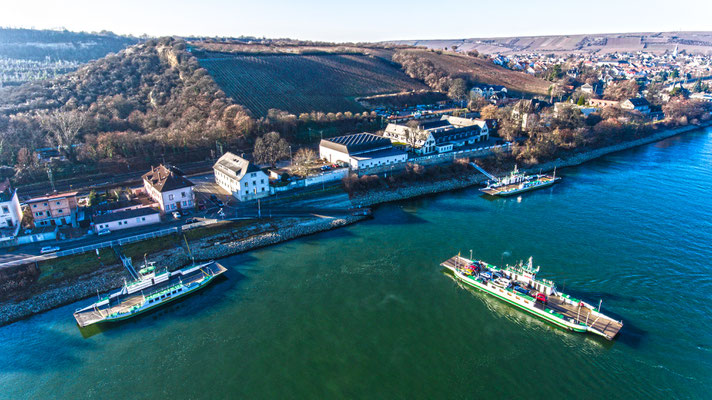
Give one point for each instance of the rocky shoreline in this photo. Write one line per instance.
(215, 247)
(208, 248)
(423, 189)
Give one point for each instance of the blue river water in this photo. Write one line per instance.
(367, 312)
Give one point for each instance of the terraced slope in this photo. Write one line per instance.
(483, 71)
(304, 83)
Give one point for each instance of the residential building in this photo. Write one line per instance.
(10, 210)
(433, 136)
(637, 104)
(243, 179)
(169, 188)
(125, 219)
(600, 103)
(361, 150)
(57, 209)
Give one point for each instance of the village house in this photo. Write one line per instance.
(57, 209)
(637, 104)
(125, 219)
(602, 103)
(169, 188)
(10, 210)
(440, 135)
(361, 150)
(243, 179)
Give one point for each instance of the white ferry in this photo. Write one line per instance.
(151, 290)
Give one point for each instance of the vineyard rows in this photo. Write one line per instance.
(304, 83)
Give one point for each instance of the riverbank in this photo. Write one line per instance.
(375, 197)
(266, 234)
(208, 248)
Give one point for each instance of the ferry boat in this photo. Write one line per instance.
(149, 291)
(518, 286)
(517, 182)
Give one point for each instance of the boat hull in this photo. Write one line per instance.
(533, 311)
(120, 306)
(514, 191)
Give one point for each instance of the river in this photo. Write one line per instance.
(366, 312)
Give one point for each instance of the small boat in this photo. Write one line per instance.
(517, 182)
(538, 297)
(149, 291)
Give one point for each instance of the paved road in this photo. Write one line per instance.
(329, 204)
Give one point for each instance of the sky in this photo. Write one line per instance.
(359, 21)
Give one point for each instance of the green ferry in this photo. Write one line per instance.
(518, 286)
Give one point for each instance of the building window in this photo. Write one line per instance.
(5, 209)
(59, 211)
(262, 181)
(57, 203)
(143, 218)
(34, 206)
(182, 194)
(247, 184)
(170, 197)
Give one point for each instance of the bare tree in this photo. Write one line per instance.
(64, 127)
(270, 148)
(303, 158)
(411, 134)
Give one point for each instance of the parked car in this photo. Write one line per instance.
(191, 220)
(201, 206)
(49, 249)
(213, 197)
(541, 297)
(176, 214)
(219, 203)
(103, 232)
(325, 168)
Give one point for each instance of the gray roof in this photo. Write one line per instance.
(639, 102)
(166, 178)
(356, 143)
(379, 154)
(434, 124)
(234, 166)
(121, 215)
(456, 134)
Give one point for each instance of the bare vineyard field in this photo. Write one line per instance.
(304, 83)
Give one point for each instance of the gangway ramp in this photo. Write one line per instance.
(485, 173)
(126, 261)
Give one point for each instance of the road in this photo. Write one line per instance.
(328, 204)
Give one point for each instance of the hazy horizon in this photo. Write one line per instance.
(368, 21)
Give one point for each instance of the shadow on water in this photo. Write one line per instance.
(332, 234)
(40, 349)
(212, 296)
(630, 334)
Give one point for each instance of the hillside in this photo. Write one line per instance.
(27, 54)
(147, 101)
(479, 71)
(653, 42)
(300, 83)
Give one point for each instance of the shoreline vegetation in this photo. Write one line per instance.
(234, 240)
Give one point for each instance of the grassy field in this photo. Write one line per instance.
(484, 71)
(304, 83)
(63, 268)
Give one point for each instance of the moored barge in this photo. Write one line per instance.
(518, 286)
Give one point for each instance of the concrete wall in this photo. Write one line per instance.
(129, 223)
(329, 176)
